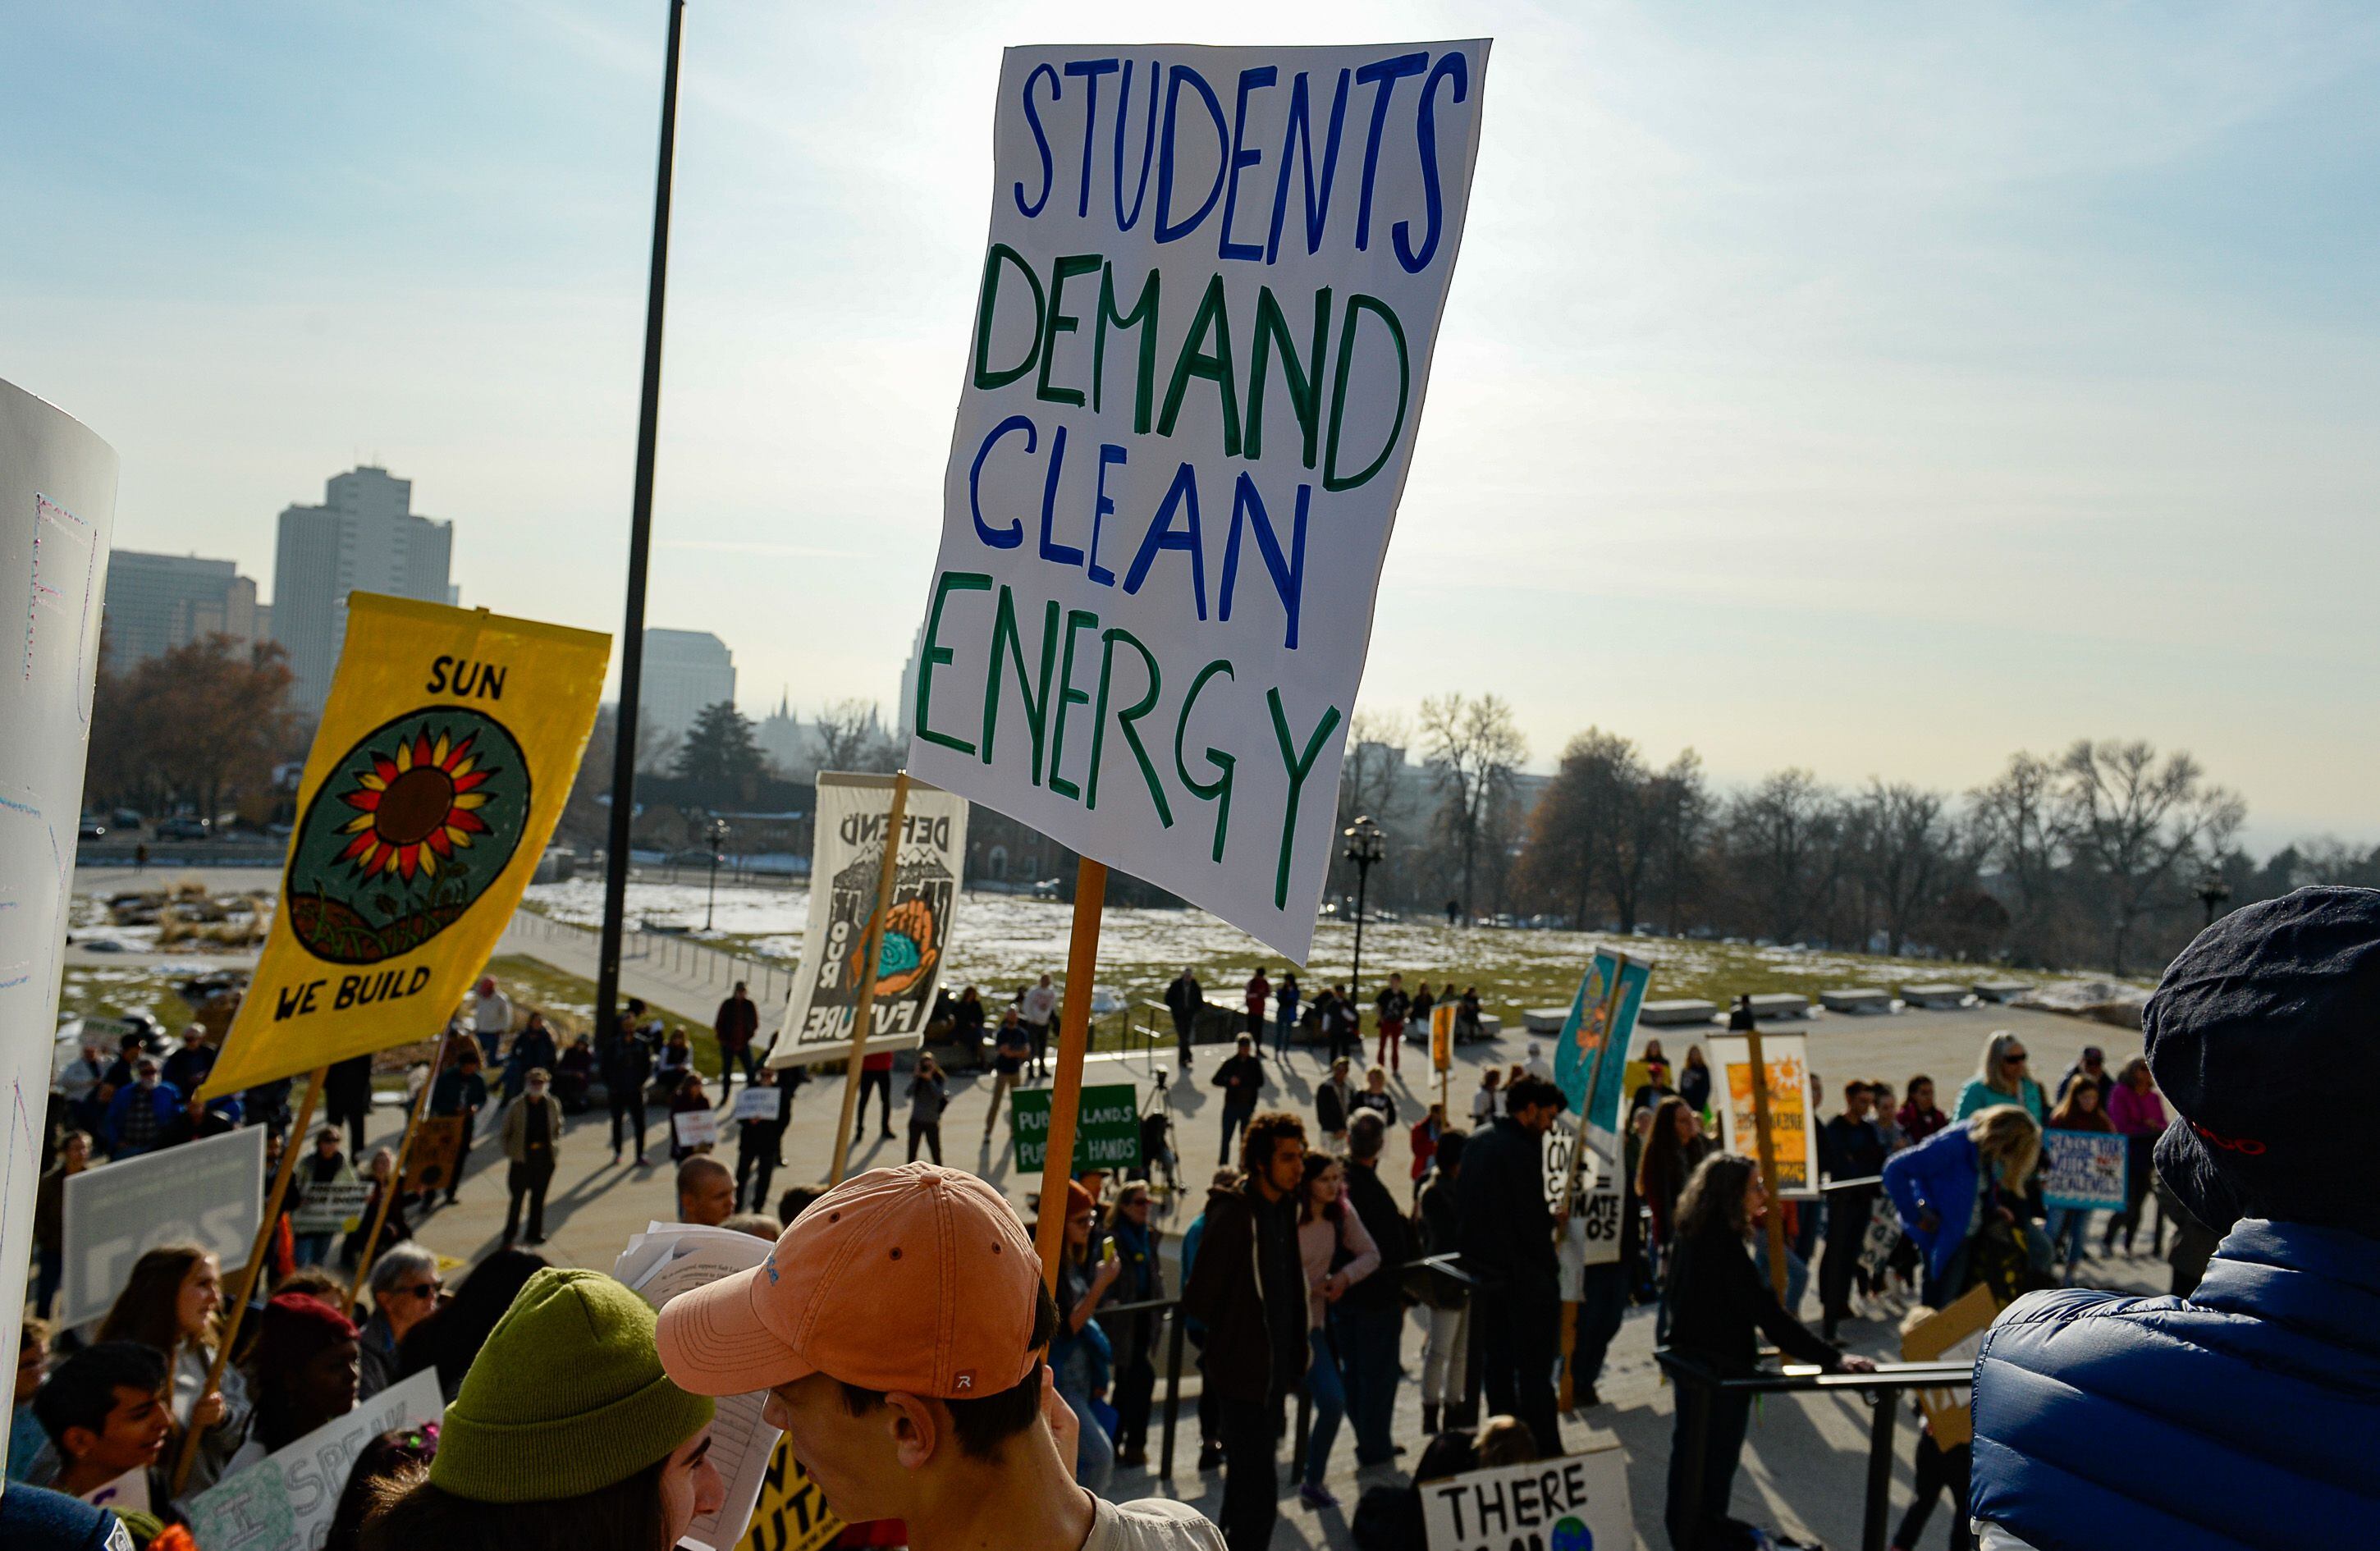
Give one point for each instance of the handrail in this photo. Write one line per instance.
(1880, 1386)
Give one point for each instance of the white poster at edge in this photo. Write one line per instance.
(1205, 318)
(57, 508)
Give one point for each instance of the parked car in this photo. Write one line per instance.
(90, 829)
(124, 818)
(184, 828)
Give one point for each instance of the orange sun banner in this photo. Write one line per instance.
(446, 750)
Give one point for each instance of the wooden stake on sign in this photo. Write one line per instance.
(1578, 1159)
(871, 953)
(1066, 1092)
(188, 1452)
(1594, 1079)
(1765, 1145)
(397, 1170)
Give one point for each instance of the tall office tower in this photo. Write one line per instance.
(364, 535)
(685, 670)
(159, 601)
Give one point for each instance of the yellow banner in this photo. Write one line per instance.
(444, 755)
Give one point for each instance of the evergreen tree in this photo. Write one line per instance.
(719, 746)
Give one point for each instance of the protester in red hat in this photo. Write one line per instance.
(303, 1373)
(900, 1326)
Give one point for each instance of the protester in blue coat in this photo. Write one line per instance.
(140, 1116)
(2246, 1416)
(1946, 1194)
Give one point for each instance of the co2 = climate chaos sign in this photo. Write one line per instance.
(445, 751)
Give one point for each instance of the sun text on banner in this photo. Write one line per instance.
(845, 862)
(1574, 1503)
(1205, 318)
(1107, 1128)
(447, 749)
(208, 1193)
(1787, 1058)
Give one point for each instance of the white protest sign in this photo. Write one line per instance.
(1592, 1235)
(127, 1492)
(1202, 338)
(1576, 1503)
(331, 1206)
(2083, 1169)
(285, 1501)
(845, 859)
(209, 1193)
(696, 1127)
(57, 505)
(758, 1104)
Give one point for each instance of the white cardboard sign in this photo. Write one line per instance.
(696, 1127)
(1205, 320)
(285, 1501)
(209, 1193)
(846, 859)
(57, 507)
(1576, 1503)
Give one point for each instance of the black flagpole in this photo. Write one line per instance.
(641, 536)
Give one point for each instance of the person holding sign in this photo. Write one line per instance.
(1508, 1247)
(532, 1130)
(760, 1135)
(322, 1177)
(900, 1326)
(1715, 1306)
(2079, 1110)
(105, 1411)
(460, 1093)
(171, 1303)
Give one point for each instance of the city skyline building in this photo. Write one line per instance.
(365, 535)
(155, 603)
(685, 670)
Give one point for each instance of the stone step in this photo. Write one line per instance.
(1938, 994)
(2003, 991)
(1781, 1004)
(1856, 998)
(1677, 1011)
(1545, 1019)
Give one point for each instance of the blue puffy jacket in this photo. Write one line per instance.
(2246, 1416)
(1940, 1175)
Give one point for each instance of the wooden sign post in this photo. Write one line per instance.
(1066, 1090)
(863, 1012)
(1608, 1016)
(188, 1452)
(1765, 1145)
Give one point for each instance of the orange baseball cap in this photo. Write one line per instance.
(918, 1280)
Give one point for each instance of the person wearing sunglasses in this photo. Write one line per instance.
(405, 1288)
(2004, 1077)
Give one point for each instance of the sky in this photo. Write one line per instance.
(1874, 388)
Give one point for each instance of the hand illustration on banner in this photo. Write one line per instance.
(909, 953)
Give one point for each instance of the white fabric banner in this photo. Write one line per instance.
(209, 1193)
(846, 855)
(57, 508)
(1203, 334)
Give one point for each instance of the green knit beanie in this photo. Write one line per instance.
(567, 1397)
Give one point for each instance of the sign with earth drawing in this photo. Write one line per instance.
(447, 749)
(846, 861)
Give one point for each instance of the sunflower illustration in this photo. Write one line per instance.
(417, 807)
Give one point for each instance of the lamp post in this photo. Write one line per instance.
(2212, 892)
(716, 833)
(1365, 845)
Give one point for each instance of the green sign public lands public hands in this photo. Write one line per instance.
(1107, 1128)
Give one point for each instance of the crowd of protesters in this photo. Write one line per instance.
(1299, 1281)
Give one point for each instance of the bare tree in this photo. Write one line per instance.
(1475, 746)
(2020, 823)
(2134, 820)
(1565, 848)
(1906, 852)
(1778, 833)
(1680, 809)
(851, 737)
(1369, 778)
